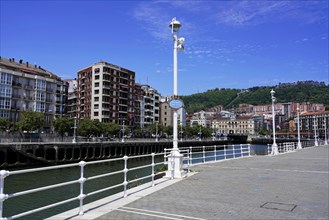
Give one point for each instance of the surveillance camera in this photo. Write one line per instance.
(181, 40)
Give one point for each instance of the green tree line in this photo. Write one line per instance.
(307, 91)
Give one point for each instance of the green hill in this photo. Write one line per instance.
(304, 91)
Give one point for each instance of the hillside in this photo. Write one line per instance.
(305, 91)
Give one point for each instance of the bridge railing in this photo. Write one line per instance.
(203, 154)
(291, 146)
(81, 181)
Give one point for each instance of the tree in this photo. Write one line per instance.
(64, 125)
(31, 121)
(3, 124)
(110, 129)
(90, 127)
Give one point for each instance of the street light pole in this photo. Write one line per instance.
(325, 131)
(156, 132)
(175, 160)
(274, 145)
(315, 135)
(123, 131)
(299, 145)
(74, 140)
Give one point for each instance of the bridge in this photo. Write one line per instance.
(291, 185)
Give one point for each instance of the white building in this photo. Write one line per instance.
(26, 87)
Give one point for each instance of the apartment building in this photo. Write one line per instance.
(149, 106)
(309, 121)
(30, 87)
(72, 98)
(106, 93)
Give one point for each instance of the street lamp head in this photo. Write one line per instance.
(272, 92)
(174, 25)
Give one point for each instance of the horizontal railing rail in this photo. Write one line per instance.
(81, 181)
(202, 154)
(292, 146)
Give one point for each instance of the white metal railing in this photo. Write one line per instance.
(203, 154)
(80, 181)
(289, 146)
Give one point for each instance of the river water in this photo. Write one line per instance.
(21, 182)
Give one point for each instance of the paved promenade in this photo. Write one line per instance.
(287, 186)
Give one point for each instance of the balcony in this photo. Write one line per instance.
(16, 96)
(30, 87)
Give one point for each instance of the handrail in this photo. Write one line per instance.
(82, 179)
(190, 157)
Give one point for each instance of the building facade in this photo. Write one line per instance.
(149, 106)
(106, 93)
(72, 98)
(30, 87)
(238, 125)
(309, 121)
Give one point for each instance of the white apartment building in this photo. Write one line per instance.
(149, 106)
(26, 87)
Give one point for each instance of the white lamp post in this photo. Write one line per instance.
(156, 132)
(299, 145)
(123, 131)
(325, 131)
(274, 145)
(315, 135)
(175, 159)
(74, 140)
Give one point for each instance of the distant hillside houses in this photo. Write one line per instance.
(306, 83)
(250, 120)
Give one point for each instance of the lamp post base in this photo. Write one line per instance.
(299, 146)
(175, 165)
(275, 150)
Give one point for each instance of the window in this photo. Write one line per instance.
(97, 70)
(41, 85)
(4, 114)
(96, 99)
(96, 91)
(5, 103)
(97, 77)
(95, 113)
(40, 107)
(97, 84)
(5, 91)
(6, 78)
(96, 106)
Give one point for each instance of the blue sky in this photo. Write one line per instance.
(228, 44)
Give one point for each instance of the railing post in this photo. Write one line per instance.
(125, 171)
(153, 165)
(81, 181)
(165, 155)
(241, 152)
(249, 150)
(224, 152)
(204, 154)
(215, 153)
(3, 197)
(191, 155)
(233, 151)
